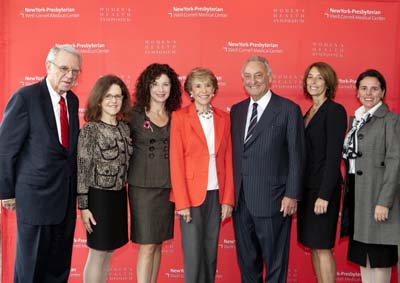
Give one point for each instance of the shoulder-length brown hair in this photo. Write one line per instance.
(148, 77)
(329, 76)
(99, 90)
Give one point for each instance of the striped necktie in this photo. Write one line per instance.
(252, 123)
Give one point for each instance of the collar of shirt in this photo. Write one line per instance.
(262, 104)
(55, 97)
(360, 112)
(55, 102)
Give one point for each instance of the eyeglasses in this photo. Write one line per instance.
(111, 97)
(65, 70)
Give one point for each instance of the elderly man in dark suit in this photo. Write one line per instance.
(268, 157)
(38, 140)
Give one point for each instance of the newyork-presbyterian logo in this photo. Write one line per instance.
(74, 273)
(347, 83)
(90, 47)
(227, 244)
(175, 273)
(354, 14)
(30, 79)
(252, 47)
(79, 243)
(348, 276)
(49, 12)
(197, 12)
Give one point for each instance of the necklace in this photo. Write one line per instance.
(205, 114)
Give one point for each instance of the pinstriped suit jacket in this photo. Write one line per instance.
(271, 164)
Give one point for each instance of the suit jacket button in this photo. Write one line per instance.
(359, 172)
(360, 136)
(359, 154)
(382, 163)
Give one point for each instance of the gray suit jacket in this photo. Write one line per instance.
(376, 179)
(270, 165)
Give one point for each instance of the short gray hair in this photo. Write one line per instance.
(63, 47)
(260, 59)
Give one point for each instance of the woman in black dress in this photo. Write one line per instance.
(104, 150)
(157, 93)
(325, 127)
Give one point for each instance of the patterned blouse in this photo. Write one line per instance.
(104, 151)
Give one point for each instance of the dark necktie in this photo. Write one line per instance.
(64, 123)
(252, 123)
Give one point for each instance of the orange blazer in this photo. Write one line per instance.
(189, 158)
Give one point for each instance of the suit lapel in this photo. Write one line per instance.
(266, 118)
(318, 115)
(242, 119)
(48, 111)
(194, 122)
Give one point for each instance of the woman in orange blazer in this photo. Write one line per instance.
(201, 175)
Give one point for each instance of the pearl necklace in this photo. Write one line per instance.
(208, 114)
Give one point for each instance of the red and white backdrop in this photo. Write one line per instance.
(124, 36)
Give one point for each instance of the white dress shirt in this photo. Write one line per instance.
(208, 129)
(262, 104)
(55, 101)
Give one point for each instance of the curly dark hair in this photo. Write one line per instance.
(148, 77)
(96, 96)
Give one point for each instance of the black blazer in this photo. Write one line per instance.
(34, 167)
(324, 142)
(270, 166)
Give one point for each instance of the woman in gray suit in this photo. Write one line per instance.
(157, 94)
(371, 216)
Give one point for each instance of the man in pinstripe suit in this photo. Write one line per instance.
(268, 157)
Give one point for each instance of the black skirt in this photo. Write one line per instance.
(317, 231)
(152, 215)
(109, 209)
(379, 256)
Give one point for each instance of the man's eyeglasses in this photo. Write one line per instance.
(65, 70)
